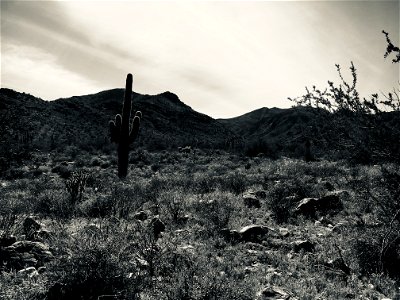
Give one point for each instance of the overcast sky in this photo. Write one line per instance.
(221, 58)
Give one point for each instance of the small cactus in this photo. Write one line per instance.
(122, 132)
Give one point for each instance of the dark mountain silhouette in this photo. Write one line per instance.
(168, 123)
(83, 121)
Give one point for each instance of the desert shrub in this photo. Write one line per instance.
(376, 251)
(75, 185)
(95, 266)
(154, 188)
(140, 156)
(233, 182)
(123, 200)
(15, 287)
(54, 203)
(214, 211)
(204, 184)
(100, 206)
(8, 219)
(284, 195)
(71, 151)
(223, 280)
(173, 206)
(14, 173)
(63, 169)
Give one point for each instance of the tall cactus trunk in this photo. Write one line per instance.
(121, 132)
(123, 159)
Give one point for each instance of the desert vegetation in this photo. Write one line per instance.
(217, 218)
(200, 226)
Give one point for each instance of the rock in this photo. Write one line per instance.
(307, 207)
(43, 235)
(255, 233)
(272, 293)
(187, 248)
(29, 246)
(231, 236)
(284, 232)
(141, 216)
(330, 201)
(158, 226)
(304, 245)
(30, 227)
(325, 221)
(28, 272)
(310, 207)
(339, 227)
(261, 194)
(187, 149)
(183, 219)
(26, 253)
(339, 265)
(251, 201)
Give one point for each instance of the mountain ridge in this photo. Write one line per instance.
(167, 123)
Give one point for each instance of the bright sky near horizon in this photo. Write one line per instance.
(221, 58)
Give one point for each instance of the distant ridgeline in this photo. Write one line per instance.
(28, 123)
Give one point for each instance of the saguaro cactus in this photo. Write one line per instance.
(122, 132)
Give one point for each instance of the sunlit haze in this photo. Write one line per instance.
(221, 58)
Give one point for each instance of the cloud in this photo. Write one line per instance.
(33, 71)
(44, 26)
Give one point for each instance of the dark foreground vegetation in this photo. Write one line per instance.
(199, 226)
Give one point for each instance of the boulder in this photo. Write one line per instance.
(338, 264)
(302, 245)
(24, 254)
(231, 236)
(29, 272)
(330, 201)
(272, 293)
(284, 231)
(311, 207)
(255, 233)
(30, 227)
(141, 215)
(307, 207)
(187, 149)
(261, 194)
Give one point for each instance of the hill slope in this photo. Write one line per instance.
(83, 120)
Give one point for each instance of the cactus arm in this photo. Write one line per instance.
(114, 132)
(135, 126)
